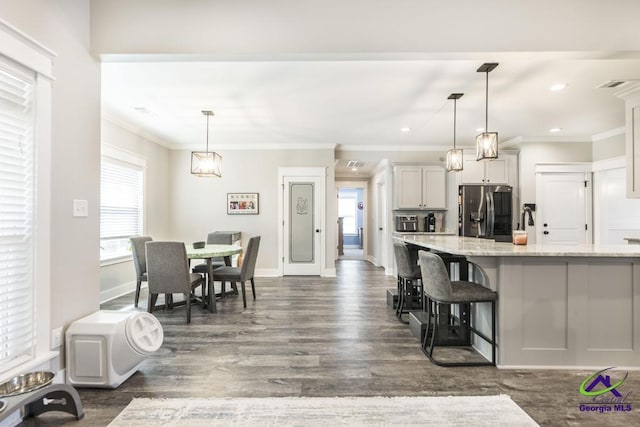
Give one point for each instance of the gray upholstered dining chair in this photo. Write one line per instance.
(168, 273)
(244, 272)
(214, 238)
(139, 261)
(440, 292)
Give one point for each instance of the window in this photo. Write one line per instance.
(347, 206)
(121, 203)
(17, 190)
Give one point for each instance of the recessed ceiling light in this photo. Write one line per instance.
(405, 129)
(354, 169)
(480, 130)
(554, 130)
(557, 87)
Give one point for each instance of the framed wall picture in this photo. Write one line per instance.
(242, 203)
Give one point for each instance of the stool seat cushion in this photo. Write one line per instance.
(463, 291)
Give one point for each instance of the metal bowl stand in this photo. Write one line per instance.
(54, 397)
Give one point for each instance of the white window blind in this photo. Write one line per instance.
(121, 206)
(17, 306)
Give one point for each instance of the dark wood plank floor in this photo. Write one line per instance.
(322, 337)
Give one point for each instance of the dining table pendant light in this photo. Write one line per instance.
(206, 163)
(454, 156)
(487, 142)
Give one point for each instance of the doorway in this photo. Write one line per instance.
(352, 220)
(564, 205)
(302, 213)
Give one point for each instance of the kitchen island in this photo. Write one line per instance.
(558, 306)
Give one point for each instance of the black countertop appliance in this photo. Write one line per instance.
(430, 223)
(406, 223)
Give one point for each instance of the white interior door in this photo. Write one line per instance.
(563, 207)
(302, 222)
(381, 219)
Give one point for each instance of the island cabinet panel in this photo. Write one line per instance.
(573, 312)
(613, 328)
(544, 305)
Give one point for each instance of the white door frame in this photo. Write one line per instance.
(585, 168)
(291, 172)
(383, 180)
(365, 195)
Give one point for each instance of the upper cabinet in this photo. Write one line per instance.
(632, 104)
(419, 187)
(486, 171)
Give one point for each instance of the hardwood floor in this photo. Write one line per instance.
(322, 337)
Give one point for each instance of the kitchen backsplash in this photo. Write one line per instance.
(439, 215)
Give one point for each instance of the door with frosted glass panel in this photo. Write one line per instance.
(302, 233)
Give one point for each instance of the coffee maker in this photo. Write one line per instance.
(430, 223)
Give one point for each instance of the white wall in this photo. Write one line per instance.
(198, 205)
(117, 279)
(63, 26)
(615, 217)
(606, 148)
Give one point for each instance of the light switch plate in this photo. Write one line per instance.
(80, 208)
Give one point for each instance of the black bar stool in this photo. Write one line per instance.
(409, 281)
(440, 291)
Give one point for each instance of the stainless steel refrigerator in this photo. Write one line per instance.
(485, 211)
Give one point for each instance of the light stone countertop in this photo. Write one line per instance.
(419, 233)
(471, 246)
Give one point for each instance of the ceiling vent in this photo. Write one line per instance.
(355, 164)
(609, 84)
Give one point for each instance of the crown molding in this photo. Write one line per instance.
(608, 134)
(341, 147)
(121, 123)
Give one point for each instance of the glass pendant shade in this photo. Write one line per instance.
(487, 142)
(454, 156)
(454, 160)
(487, 146)
(206, 163)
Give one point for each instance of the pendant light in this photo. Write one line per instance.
(205, 163)
(454, 156)
(487, 142)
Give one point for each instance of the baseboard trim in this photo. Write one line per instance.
(266, 272)
(328, 272)
(118, 291)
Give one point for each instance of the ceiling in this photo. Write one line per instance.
(363, 104)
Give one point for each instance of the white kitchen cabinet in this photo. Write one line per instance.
(420, 187)
(485, 171)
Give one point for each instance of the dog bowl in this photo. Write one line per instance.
(198, 245)
(26, 382)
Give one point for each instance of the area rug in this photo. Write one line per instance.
(326, 412)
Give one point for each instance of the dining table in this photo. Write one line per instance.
(208, 252)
